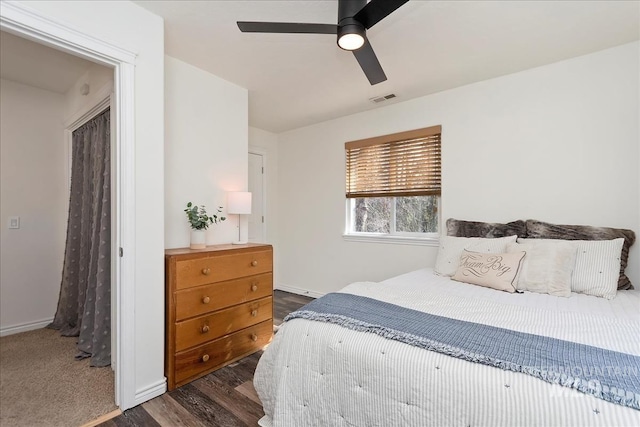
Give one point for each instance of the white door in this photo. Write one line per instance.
(256, 187)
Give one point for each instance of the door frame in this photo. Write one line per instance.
(263, 153)
(27, 23)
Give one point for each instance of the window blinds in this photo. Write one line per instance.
(397, 165)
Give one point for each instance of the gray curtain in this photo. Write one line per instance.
(84, 305)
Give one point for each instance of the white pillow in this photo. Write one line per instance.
(451, 248)
(547, 267)
(496, 271)
(597, 266)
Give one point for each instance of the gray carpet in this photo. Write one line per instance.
(41, 384)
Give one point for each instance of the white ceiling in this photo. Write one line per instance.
(424, 47)
(33, 64)
(299, 79)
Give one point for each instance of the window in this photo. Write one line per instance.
(393, 184)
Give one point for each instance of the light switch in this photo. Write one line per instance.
(14, 222)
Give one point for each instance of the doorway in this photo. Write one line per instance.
(257, 224)
(24, 22)
(40, 86)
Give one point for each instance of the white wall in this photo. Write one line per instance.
(558, 143)
(97, 77)
(138, 30)
(206, 149)
(33, 186)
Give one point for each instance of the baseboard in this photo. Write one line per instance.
(299, 291)
(24, 327)
(150, 391)
(102, 419)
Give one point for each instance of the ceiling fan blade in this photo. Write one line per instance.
(286, 27)
(376, 10)
(369, 63)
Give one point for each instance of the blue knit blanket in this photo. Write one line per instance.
(605, 374)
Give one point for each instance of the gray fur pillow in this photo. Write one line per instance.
(542, 230)
(459, 228)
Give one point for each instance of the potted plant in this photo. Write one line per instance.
(200, 221)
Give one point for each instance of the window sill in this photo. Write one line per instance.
(390, 239)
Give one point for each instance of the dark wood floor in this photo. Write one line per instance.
(225, 397)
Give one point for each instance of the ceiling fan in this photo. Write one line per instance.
(355, 17)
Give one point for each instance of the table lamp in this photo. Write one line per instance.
(239, 203)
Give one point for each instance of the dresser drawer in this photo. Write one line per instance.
(203, 299)
(208, 327)
(201, 271)
(207, 357)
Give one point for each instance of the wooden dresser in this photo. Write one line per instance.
(219, 307)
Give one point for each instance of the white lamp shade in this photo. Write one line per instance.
(239, 203)
(351, 41)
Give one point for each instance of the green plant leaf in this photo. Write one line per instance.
(198, 218)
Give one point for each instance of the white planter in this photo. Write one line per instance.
(198, 239)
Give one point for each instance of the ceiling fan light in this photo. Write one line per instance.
(351, 36)
(351, 41)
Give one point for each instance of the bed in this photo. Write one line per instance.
(320, 373)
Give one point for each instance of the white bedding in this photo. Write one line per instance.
(320, 374)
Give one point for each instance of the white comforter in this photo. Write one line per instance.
(320, 374)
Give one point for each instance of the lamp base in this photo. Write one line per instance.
(239, 243)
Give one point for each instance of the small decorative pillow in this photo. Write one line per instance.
(548, 266)
(451, 248)
(497, 271)
(597, 267)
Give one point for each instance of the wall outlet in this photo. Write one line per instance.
(14, 222)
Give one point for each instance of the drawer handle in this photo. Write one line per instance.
(206, 300)
(254, 287)
(254, 313)
(205, 358)
(205, 329)
(254, 263)
(254, 337)
(206, 271)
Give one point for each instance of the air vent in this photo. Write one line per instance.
(378, 99)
